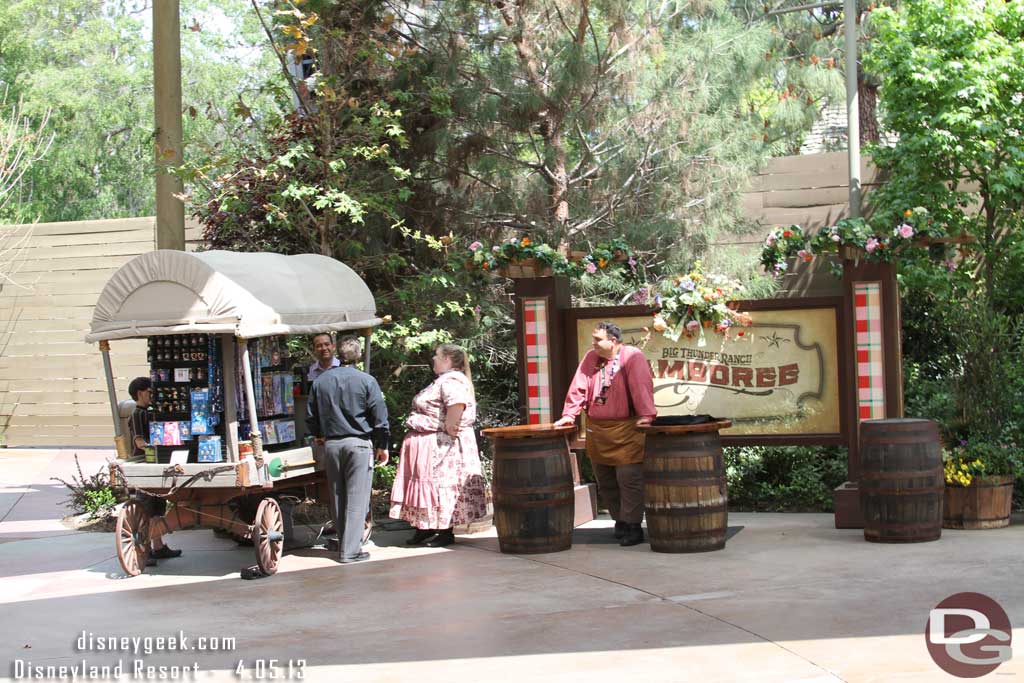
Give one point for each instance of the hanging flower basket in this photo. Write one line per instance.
(526, 268)
(984, 504)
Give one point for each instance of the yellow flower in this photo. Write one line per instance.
(601, 263)
(908, 213)
(525, 242)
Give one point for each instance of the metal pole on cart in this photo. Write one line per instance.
(120, 439)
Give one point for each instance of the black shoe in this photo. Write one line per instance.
(421, 536)
(250, 573)
(634, 535)
(333, 545)
(620, 529)
(165, 553)
(443, 538)
(358, 558)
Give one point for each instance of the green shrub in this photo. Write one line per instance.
(784, 479)
(384, 477)
(98, 502)
(93, 495)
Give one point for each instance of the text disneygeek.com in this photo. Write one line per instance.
(135, 666)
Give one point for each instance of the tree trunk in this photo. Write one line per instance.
(867, 101)
(559, 181)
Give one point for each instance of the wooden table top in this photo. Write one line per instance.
(527, 431)
(686, 429)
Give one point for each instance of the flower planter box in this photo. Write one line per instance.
(851, 252)
(526, 268)
(985, 504)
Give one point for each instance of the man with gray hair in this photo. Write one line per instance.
(346, 413)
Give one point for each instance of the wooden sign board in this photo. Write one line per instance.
(780, 382)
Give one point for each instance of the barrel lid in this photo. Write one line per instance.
(712, 426)
(527, 431)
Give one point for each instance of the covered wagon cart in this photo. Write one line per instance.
(226, 314)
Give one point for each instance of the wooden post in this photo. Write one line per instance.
(250, 402)
(872, 307)
(544, 366)
(120, 439)
(367, 338)
(170, 211)
(227, 354)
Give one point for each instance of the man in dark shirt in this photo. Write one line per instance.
(140, 390)
(346, 413)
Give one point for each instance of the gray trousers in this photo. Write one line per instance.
(349, 465)
(621, 489)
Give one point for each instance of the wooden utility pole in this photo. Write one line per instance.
(170, 211)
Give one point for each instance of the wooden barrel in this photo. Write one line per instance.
(534, 504)
(902, 481)
(685, 497)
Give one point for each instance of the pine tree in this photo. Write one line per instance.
(578, 119)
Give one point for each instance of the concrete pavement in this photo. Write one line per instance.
(789, 599)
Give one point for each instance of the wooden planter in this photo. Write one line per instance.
(985, 504)
(530, 267)
(851, 252)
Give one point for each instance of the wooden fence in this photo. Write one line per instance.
(52, 388)
(810, 191)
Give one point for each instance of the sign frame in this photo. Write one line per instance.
(571, 317)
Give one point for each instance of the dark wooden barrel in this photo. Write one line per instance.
(685, 497)
(532, 487)
(901, 481)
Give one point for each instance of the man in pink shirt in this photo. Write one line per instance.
(615, 386)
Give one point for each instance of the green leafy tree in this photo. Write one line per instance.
(88, 63)
(953, 86)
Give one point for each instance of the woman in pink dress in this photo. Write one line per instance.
(439, 483)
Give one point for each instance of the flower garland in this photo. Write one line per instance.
(604, 258)
(692, 303)
(876, 245)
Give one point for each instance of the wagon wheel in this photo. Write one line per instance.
(132, 537)
(268, 535)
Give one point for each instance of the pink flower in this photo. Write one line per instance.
(475, 246)
(950, 265)
(905, 231)
(591, 268)
(871, 244)
(692, 326)
(770, 241)
(835, 237)
(805, 255)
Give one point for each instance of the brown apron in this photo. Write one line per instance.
(614, 442)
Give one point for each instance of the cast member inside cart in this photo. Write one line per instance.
(141, 390)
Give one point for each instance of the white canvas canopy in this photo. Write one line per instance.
(244, 294)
